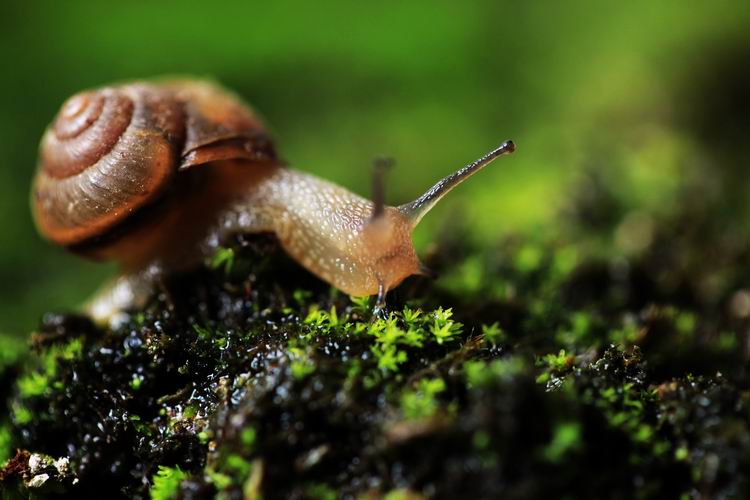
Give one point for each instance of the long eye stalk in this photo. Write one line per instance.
(419, 207)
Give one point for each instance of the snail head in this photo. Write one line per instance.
(387, 235)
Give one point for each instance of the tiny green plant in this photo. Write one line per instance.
(167, 483)
(422, 402)
(223, 258)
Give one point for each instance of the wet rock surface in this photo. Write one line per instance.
(606, 360)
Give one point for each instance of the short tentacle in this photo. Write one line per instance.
(380, 166)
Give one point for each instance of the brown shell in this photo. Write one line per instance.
(114, 150)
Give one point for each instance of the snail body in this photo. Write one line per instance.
(156, 175)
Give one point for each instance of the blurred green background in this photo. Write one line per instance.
(641, 86)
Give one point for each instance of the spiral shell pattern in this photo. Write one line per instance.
(114, 150)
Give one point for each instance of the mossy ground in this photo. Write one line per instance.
(607, 358)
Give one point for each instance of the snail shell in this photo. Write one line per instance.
(115, 150)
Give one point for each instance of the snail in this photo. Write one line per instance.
(154, 175)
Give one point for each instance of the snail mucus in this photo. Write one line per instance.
(155, 175)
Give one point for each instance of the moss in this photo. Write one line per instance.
(422, 402)
(5, 443)
(557, 365)
(493, 334)
(167, 483)
(10, 352)
(11, 359)
(566, 437)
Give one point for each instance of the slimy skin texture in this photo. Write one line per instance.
(330, 231)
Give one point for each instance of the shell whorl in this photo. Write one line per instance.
(114, 150)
